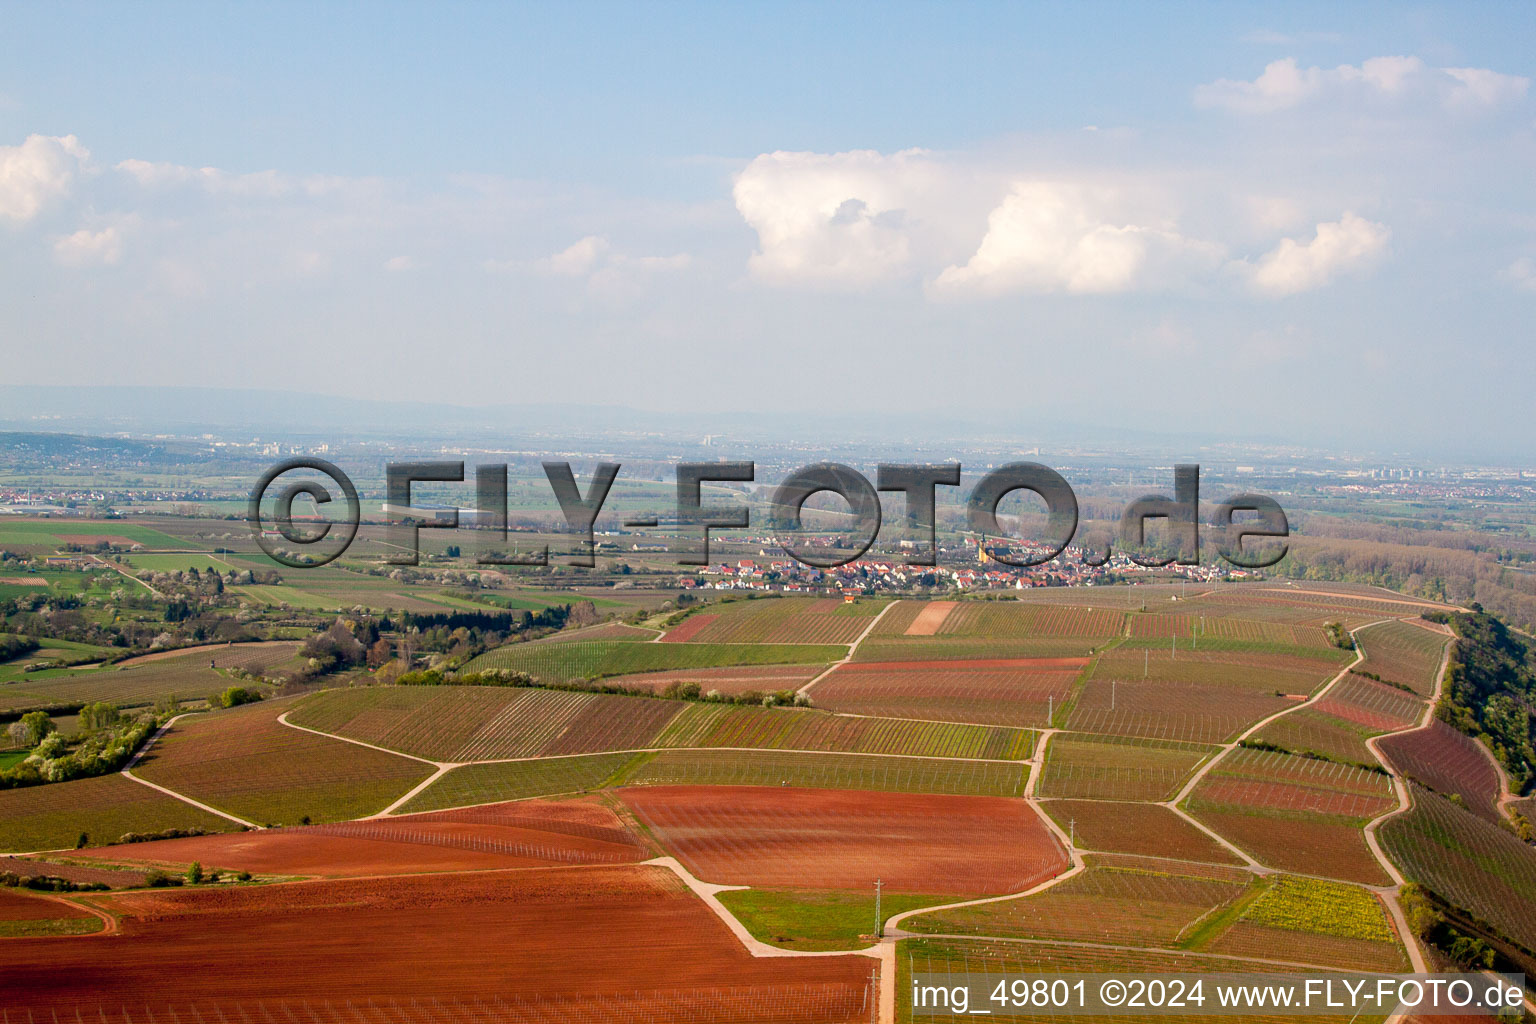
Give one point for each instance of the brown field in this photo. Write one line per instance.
(1111, 904)
(611, 945)
(244, 761)
(1014, 692)
(1117, 768)
(1407, 651)
(52, 817)
(23, 581)
(730, 680)
(1150, 830)
(1308, 845)
(533, 833)
(1309, 730)
(1448, 762)
(81, 873)
(930, 618)
(1376, 706)
(831, 839)
(21, 905)
(689, 628)
(1253, 940)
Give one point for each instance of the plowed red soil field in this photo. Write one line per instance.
(18, 906)
(531, 833)
(1003, 691)
(688, 629)
(832, 839)
(612, 945)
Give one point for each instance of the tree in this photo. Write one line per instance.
(34, 725)
(194, 873)
(96, 717)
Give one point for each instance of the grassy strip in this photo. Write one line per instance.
(818, 921)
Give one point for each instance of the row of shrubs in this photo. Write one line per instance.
(49, 883)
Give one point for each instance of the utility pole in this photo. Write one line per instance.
(879, 921)
(1146, 659)
(1112, 684)
(1072, 833)
(1050, 709)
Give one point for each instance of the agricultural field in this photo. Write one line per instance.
(1371, 705)
(499, 781)
(462, 724)
(990, 692)
(1472, 863)
(182, 675)
(1296, 813)
(1302, 919)
(1141, 829)
(105, 808)
(720, 725)
(956, 955)
(1450, 763)
(730, 681)
(23, 915)
(245, 762)
(1118, 905)
(973, 648)
(832, 839)
(1310, 731)
(388, 946)
(1114, 768)
(785, 620)
(35, 536)
(1209, 628)
(529, 834)
(1016, 620)
(1407, 652)
(881, 773)
(567, 662)
(1198, 696)
(818, 920)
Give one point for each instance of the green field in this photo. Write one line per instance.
(518, 780)
(817, 921)
(52, 817)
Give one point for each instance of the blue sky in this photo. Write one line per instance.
(1293, 214)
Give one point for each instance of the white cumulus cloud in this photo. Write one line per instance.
(86, 247)
(1285, 84)
(1347, 245)
(1052, 236)
(41, 169)
(833, 219)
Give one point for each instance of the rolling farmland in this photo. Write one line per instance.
(832, 839)
(989, 692)
(1110, 904)
(245, 762)
(1112, 768)
(1148, 830)
(578, 660)
(828, 771)
(1404, 651)
(786, 620)
(104, 808)
(462, 724)
(387, 946)
(1448, 762)
(1472, 863)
